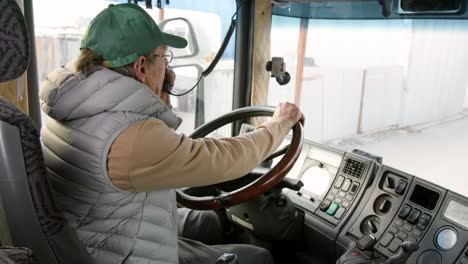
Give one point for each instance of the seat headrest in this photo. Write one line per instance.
(14, 41)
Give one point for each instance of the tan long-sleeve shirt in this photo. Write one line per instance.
(149, 156)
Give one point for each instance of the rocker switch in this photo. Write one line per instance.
(346, 185)
(414, 216)
(325, 205)
(390, 182)
(400, 189)
(424, 221)
(354, 188)
(405, 211)
(339, 181)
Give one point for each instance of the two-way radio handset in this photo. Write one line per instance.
(165, 87)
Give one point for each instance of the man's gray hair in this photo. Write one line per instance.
(126, 70)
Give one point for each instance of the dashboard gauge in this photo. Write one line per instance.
(316, 180)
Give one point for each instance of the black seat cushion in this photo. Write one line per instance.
(62, 239)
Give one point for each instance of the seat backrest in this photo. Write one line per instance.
(14, 41)
(33, 218)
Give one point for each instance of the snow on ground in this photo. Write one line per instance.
(437, 153)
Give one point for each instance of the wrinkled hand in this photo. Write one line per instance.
(168, 85)
(288, 111)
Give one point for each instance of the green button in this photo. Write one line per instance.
(332, 209)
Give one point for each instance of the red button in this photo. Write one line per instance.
(356, 253)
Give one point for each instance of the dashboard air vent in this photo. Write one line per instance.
(354, 168)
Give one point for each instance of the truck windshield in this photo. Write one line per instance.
(393, 87)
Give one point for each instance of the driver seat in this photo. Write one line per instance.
(31, 212)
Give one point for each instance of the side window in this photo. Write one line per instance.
(204, 24)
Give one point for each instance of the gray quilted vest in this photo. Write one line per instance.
(84, 116)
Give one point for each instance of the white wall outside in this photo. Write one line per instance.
(415, 73)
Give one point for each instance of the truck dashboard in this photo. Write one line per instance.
(365, 210)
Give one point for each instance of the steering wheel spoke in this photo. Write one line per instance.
(259, 171)
(278, 153)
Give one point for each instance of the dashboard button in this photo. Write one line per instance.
(334, 190)
(339, 213)
(424, 221)
(342, 194)
(338, 201)
(324, 206)
(464, 260)
(339, 181)
(417, 232)
(332, 209)
(330, 197)
(400, 189)
(354, 188)
(412, 239)
(403, 235)
(408, 227)
(349, 197)
(404, 212)
(393, 229)
(393, 247)
(345, 204)
(346, 185)
(386, 239)
(414, 216)
(398, 222)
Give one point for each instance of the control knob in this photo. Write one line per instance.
(370, 225)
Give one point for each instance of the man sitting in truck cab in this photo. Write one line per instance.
(113, 154)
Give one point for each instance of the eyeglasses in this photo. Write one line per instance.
(168, 56)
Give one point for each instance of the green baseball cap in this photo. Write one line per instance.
(121, 33)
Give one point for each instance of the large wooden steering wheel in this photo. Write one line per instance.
(247, 187)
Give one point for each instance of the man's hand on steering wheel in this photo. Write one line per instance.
(288, 111)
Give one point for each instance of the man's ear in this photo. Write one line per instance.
(139, 68)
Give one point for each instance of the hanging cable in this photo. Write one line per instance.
(220, 53)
